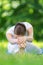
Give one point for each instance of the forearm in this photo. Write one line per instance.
(13, 41)
(29, 38)
(30, 34)
(11, 38)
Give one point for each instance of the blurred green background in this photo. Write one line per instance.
(13, 11)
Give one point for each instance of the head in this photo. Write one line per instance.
(20, 29)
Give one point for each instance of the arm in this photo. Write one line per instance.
(11, 38)
(30, 34)
(29, 38)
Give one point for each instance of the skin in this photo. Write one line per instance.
(21, 40)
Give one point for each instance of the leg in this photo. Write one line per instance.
(31, 48)
(13, 48)
(42, 50)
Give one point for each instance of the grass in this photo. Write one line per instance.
(19, 59)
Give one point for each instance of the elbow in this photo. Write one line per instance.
(31, 38)
(7, 36)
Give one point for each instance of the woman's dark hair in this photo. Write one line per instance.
(20, 29)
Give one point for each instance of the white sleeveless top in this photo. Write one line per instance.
(11, 29)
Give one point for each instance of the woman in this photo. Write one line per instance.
(20, 36)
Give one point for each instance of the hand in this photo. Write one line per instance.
(23, 45)
(22, 39)
(22, 42)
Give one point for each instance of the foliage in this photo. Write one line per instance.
(13, 11)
